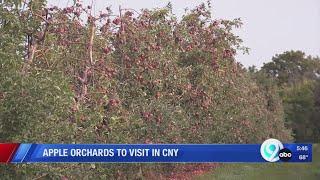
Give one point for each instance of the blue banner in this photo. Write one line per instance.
(162, 153)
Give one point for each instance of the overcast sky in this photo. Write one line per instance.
(270, 26)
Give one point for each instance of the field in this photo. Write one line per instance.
(268, 171)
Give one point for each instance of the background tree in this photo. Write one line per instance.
(292, 67)
(297, 77)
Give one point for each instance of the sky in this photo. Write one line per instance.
(270, 26)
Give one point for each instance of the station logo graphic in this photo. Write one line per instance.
(272, 150)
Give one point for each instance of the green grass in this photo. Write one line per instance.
(272, 171)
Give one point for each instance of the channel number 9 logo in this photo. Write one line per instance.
(270, 150)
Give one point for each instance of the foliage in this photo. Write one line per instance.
(303, 111)
(297, 77)
(291, 67)
(139, 77)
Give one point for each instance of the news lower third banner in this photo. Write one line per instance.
(153, 153)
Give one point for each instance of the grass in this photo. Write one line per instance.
(308, 171)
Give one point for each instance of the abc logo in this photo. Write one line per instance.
(285, 154)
